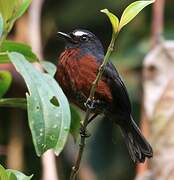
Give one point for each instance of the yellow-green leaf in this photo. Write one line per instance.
(113, 19)
(8, 9)
(131, 11)
(11, 10)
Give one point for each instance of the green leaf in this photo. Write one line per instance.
(75, 123)
(23, 7)
(1, 25)
(18, 175)
(113, 19)
(5, 82)
(131, 11)
(49, 123)
(3, 173)
(8, 9)
(14, 102)
(49, 67)
(11, 46)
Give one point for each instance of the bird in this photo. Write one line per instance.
(77, 69)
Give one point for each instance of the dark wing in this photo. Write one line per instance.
(121, 99)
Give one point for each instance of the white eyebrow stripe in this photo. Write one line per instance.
(80, 33)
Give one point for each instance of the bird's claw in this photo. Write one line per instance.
(91, 103)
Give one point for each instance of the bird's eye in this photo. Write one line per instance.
(84, 38)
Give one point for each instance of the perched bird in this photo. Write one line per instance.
(77, 69)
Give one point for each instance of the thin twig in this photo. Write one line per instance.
(85, 123)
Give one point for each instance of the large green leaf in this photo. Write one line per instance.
(13, 174)
(131, 11)
(48, 108)
(11, 46)
(1, 25)
(5, 82)
(113, 19)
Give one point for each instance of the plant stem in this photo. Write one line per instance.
(14, 102)
(85, 123)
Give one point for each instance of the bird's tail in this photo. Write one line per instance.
(137, 145)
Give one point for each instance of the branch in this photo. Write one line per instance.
(85, 123)
(157, 21)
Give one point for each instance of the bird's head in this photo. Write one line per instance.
(85, 40)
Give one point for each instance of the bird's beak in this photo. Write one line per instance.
(64, 36)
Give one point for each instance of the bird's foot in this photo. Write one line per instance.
(92, 104)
